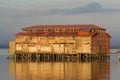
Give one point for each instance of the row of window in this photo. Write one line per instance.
(101, 39)
(56, 30)
(47, 38)
(62, 30)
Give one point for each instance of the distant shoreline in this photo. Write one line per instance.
(4, 47)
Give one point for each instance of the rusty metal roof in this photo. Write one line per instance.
(83, 26)
(85, 30)
(53, 34)
(61, 34)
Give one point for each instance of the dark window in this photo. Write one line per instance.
(67, 30)
(76, 30)
(46, 30)
(51, 30)
(30, 30)
(60, 30)
(71, 30)
(30, 38)
(41, 30)
(56, 30)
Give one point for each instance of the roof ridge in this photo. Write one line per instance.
(64, 26)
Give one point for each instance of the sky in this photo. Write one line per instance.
(17, 14)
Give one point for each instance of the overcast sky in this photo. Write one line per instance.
(16, 14)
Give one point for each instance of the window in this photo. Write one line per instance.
(30, 30)
(76, 30)
(73, 38)
(30, 38)
(34, 30)
(60, 30)
(51, 30)
(45, 30)
(67, 30)
(56, 30)
(41, 30)
(72, 30)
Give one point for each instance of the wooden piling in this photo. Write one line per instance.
(59, 57)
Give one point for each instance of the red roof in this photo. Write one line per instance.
(63, 26)
(46, 34)
(52, 34)
(85, 28)
(83, 33)
(105, 34)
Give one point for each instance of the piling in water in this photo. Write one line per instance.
(58, 57)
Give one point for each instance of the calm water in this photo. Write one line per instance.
(104, 70)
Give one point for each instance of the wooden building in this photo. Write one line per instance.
(61, 40)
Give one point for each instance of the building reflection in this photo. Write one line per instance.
(60, 70)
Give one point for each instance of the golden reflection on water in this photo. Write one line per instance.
(60, 70)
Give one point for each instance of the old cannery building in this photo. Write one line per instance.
(86, 39)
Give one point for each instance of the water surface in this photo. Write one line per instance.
(95, 70)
